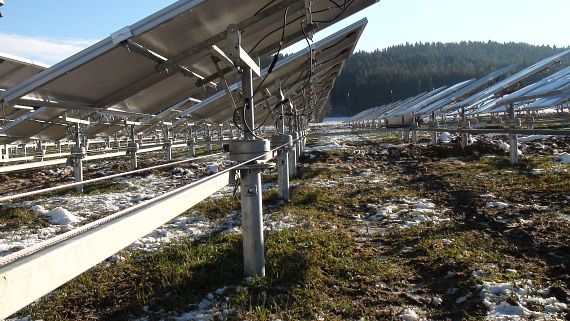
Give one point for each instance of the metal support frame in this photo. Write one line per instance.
(251, 188)
(77, 154)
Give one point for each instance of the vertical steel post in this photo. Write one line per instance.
(464, 136)
(249, 120)
(191, 142)
(132, 149)
(514, 156)
(251, 193)
(282, 153)
(77, 156)
(252, 222)
(167, 144)
(433, 123)
(414, 133)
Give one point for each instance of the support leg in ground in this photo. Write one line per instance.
(252, 222)
(282, 164)
(513, 138)
(293, 157)
(192, 147)
(209, 144)
(514, 156)
(168, 150)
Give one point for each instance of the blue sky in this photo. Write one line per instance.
(50, 30)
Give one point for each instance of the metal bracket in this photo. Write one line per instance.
(308, 24)
(237, 54)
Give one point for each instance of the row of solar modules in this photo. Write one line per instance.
(494, 92)
(150, 72)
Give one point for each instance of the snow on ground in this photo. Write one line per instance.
(61, 216)
(70, 210)
(497, 205)
(563, 158)
(214, 306)
(330, 146)
(404, 213)
(532, 138)
(520, 300)
(445, 137)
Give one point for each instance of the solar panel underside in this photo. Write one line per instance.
(289, 73)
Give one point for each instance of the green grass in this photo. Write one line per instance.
(327, 267)
(16, 218)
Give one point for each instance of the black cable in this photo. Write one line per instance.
(346, 5)
(265, 6)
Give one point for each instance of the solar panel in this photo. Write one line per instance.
(288, 73)
(15, 69)
(467, 90)
(440, 95)
(552, 85)
(415, 100)
(549, 102)
(508, 82)
(12, 71)
(156, 61)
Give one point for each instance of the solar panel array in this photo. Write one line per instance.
(150, 71)
(489, 94)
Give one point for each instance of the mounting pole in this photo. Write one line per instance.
(191, 142)
(465, 137)
(209, 139)
(250, 180)
(77, 155)
(132, 147)
(513, 138)
(167, 144)
(295, 136)
(433, 124)
(221, 134)
(282, 153)
(414, 132)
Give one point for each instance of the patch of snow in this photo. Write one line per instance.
(215, 306)
(405, 213)
(38, 209)
(563, 158)
(520, 300)
(504, 146)
(409, 315)
(497, 205)
(61, 216)
(436, 301)
(445, 137)
(330, 146)
(532, 138)
(212, 168)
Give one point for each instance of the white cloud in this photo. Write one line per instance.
(40, 49)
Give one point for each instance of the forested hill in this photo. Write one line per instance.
(375, 78)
